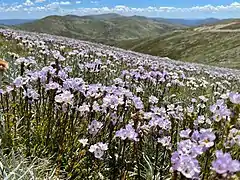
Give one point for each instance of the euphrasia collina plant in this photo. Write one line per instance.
(100, 112)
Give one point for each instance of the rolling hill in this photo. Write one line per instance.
(100, 28)
(210, 45)
(214, 44)
(190, 22)
(229, 25)
(232, 26)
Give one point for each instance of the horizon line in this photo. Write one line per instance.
(117, 14)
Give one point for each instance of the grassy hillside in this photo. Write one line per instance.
(213, 48)
(100, 28)
(233, 26)
(213, 44)
(190, 22)
(229, 25)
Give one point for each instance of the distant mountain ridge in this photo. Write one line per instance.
(101, 16)
(15, 21)
(108, 28)
(180, 21)
(100, 28)
(190, 22)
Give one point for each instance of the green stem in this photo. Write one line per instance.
(1, 78)
(156, 160)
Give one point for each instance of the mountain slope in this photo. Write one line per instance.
(230, 25)
(221, 48)
(189, 22)
(100, 28)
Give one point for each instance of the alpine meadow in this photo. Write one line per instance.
(126, 90)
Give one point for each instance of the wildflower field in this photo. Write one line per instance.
(71, 109)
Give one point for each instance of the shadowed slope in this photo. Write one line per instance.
(213, 48)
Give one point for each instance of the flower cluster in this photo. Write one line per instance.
(98, 149)
(103, 111)
(225, 164)
(127, 133)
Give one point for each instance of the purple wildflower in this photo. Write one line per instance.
(138, 103)
(18, 82)
(185, 164)
(185, 133)
(234, 98)
(52, 85)
(31, 94)
(64, 97)
(94, 127)
(165, 141)
(225, 164)
(98, 149)
(153, 100)
(127, 133)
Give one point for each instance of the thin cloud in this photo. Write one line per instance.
(39, 1)
(198, 11)
(28, 3)
(64, 3)
(94, 2)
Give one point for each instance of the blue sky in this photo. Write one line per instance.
(188, 9)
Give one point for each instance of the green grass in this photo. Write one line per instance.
(212, 48)
(10, 46)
